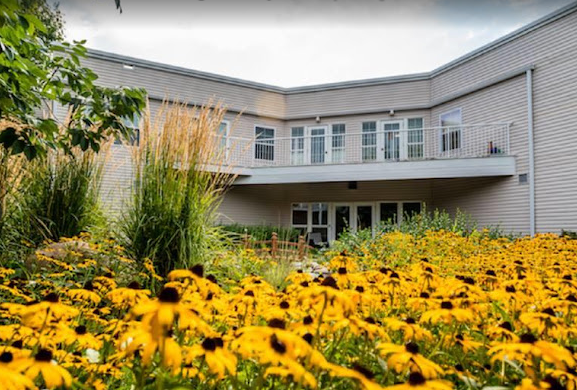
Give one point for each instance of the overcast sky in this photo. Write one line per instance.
(299, 42)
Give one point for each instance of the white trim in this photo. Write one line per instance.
(369, 171)
(308, 144)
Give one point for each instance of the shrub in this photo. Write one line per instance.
(60, 196)
(172, 212)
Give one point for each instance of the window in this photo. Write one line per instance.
(133, 124)
(338, 143)
(320, 220)
(297, 145)
(450, 130)
(300, 217)
(264, 143)
(312, 218)
(415, 139)
(411, 208)
(369, 141)
(389, 212)
(223, 135)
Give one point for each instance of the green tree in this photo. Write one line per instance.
(35, 70)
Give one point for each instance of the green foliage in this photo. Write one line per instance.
(36, 70)
(263, 232)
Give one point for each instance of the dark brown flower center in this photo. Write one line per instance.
(134, 285)
(198, 270)
(6, 357)
(363, 370)
(168, 295)
(412, 348)
(80, 330)
(51, 297)
(277, 323)
(528, 338)
(446, 305)
(416, 379)
(44, 355)
(284, 305)
(208, 344)
(277, 345)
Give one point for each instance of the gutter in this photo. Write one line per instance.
(531, 144)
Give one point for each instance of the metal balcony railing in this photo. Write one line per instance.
(465, 141)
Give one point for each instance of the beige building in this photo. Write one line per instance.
(493, 133)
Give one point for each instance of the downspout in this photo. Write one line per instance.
(532, 220)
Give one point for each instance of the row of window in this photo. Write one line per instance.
(322, 144)
(330, 220)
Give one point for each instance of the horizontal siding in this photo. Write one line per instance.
(555, 129)
(358, 99)
(490, 201)
(536, 47)
(160, 84)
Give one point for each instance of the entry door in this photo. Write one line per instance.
(318, 145)
(393, 141)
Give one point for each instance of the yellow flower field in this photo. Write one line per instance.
(438, 312)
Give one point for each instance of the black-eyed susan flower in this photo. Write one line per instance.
(406, 358)
(43, 366)
(220, 360)
(418, 382)
(11, 379)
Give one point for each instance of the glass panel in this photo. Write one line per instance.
(324, 232)
(451, 132)
(369, 141)
(297, 145)
(223, 134)
(338, 143)
(342, 219)
(388, 212)
(134, 124)
(264, 144)
(320, 213)
(411, 208)
(300, 213)
(318, 147)
(392, 141)
(364, 217)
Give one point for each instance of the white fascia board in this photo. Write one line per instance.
(409, 170)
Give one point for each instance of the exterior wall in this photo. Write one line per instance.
(360, 99)
(193, 90)
(490, 201)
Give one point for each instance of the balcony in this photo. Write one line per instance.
(391, 154)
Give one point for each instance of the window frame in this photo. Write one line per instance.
(135, 125)
(458, 130)
(271, 144)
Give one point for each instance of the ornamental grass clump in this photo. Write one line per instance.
(180, 175)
